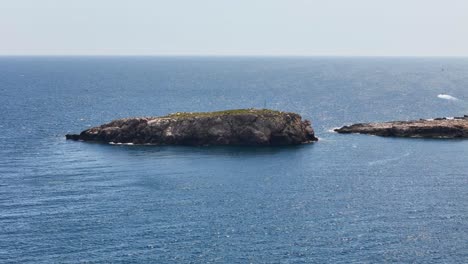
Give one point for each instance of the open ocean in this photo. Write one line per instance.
(344, 199)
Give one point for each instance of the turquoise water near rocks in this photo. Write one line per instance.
(346, 198)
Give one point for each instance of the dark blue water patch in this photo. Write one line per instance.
(346, 198)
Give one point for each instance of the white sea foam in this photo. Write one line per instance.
(447, 97)
(120, 143)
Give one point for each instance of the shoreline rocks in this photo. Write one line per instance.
(252, 127)
(455, 127)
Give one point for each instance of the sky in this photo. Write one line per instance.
(235, 27)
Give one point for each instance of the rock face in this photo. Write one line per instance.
(232, 127)
(424, 128)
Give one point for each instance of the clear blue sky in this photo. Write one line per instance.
(235, 27)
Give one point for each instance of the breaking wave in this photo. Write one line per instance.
(447, 97)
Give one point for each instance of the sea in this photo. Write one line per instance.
(344, 199)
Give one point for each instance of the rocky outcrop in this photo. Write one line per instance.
(232, 127)
(456, 127)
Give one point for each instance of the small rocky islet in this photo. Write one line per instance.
(252, 127)
(454, 127)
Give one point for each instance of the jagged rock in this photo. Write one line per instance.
(426, 128)
(232, 127)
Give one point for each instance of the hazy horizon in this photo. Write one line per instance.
(238, 56)
(278, 28)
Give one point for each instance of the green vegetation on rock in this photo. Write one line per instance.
(223, 113)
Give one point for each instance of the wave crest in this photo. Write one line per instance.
(447, 97)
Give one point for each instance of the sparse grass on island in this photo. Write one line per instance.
(223, 113)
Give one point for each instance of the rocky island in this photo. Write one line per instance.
(455, 127)
(253, 127)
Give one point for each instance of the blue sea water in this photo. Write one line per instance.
(344, 199)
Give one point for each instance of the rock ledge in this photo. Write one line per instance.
(232, 127)
(455, 127)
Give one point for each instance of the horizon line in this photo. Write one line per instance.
(236, 55)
